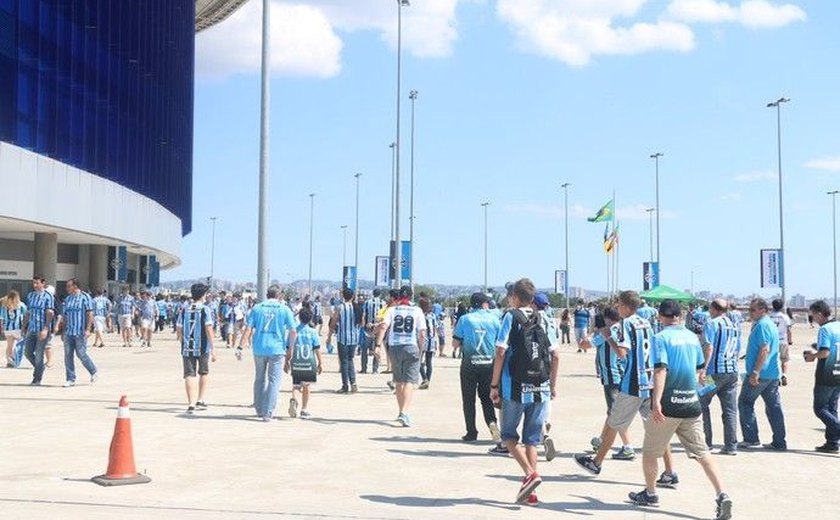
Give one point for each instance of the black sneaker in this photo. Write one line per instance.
(668, 480)
(723, 507)
(190, 410)
(772, 447)
(587, 462)
(498, 450)
(343, 390)
(470, 437)
(828, 448)
(201, 405)
(643, 498)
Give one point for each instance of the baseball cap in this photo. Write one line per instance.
(670, 308)
(478, 299)
(541, 300)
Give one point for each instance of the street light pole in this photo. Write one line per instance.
(262, 198)
(212, 252)
(650, 219)
(413, 97)
(344, 248)
(565, 187)
(656, 157)
(834, 241)
(778, 106)
(311, 235)
(398, 245)
(356, 255)
(393, 147)
(484, 205)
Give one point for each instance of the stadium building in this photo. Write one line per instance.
(96, 135)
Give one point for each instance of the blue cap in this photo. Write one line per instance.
(541, 300)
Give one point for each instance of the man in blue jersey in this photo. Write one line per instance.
(370, 309)
(827, 376)
(346, 324)
(162, 313)
(476, 333)
(581, 317)
(148, 316)
(720, 348)
(76, 323)
(610, 369)
(678, 362)
(632, 343)
(126, 308)
(37, 324)
(271, 332)
(101, 311)
(522, 401)
(647, 312)
(195, 334)
(764, 372)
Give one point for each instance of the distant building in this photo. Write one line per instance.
(797, 300)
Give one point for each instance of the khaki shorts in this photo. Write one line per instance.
(624, 410)
(13, 334)
(784, 353)
(125, 321)
(99, 323)
(689, 431)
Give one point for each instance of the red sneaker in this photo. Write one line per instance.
(529, 484)
(533, 500)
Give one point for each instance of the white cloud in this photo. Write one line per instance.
(579, 212)
(573, 31)
(732, 196)
(306, 34)
(831, 164)
(756, 176)
(750, 13)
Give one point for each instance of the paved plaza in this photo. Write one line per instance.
(351, 460)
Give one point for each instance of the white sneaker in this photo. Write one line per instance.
(68, 384)
(94, 378)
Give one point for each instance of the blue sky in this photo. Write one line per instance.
(515, 98)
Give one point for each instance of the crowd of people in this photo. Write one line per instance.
(665, 364)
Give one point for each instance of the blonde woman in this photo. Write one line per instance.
(11, 319)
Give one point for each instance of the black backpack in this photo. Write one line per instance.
(530, 361)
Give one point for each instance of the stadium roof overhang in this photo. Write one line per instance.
(211, 12)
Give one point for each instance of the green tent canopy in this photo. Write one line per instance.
(663, 292)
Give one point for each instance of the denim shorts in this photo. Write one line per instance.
(535, 416)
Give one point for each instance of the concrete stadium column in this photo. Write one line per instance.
(83, 267)
(98, 267)
(46, 256)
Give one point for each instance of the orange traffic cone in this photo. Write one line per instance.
(121, 470)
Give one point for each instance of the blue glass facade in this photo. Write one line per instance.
(105, 86)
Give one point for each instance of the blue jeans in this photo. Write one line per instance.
(825, 407)
(34, 352)
(364, 351)
(346, 364)
(727, 391)
(267, 383)
(76, 345)
(768, 390)
(532, 427)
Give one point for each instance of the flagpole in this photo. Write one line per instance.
(615, 245)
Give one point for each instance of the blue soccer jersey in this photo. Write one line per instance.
(634, 335)
(74, 313)
(303, 358)
(722, 335)
(510, 388)
(828, 369)
(125, 305)
(477, 332)
(678, 349)
(348, 324)
(101, 306)
(12, 318)
(610, 366)
(37, 305)
(194, 320)
(581, 318)
(764, 332)
(271, 320)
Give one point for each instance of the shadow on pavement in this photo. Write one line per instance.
(354, 421)
(438, 453)
(592, 505)
(423, 440)
(566, 478)
(439, 502)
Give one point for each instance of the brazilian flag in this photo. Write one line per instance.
(605, 214)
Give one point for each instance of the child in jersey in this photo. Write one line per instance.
(306, 364)
(428, 350)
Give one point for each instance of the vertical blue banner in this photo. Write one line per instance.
(145, 269)
(122, 264)
(650, 275)
(154, 272)
(349, 279)
(406, 257)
